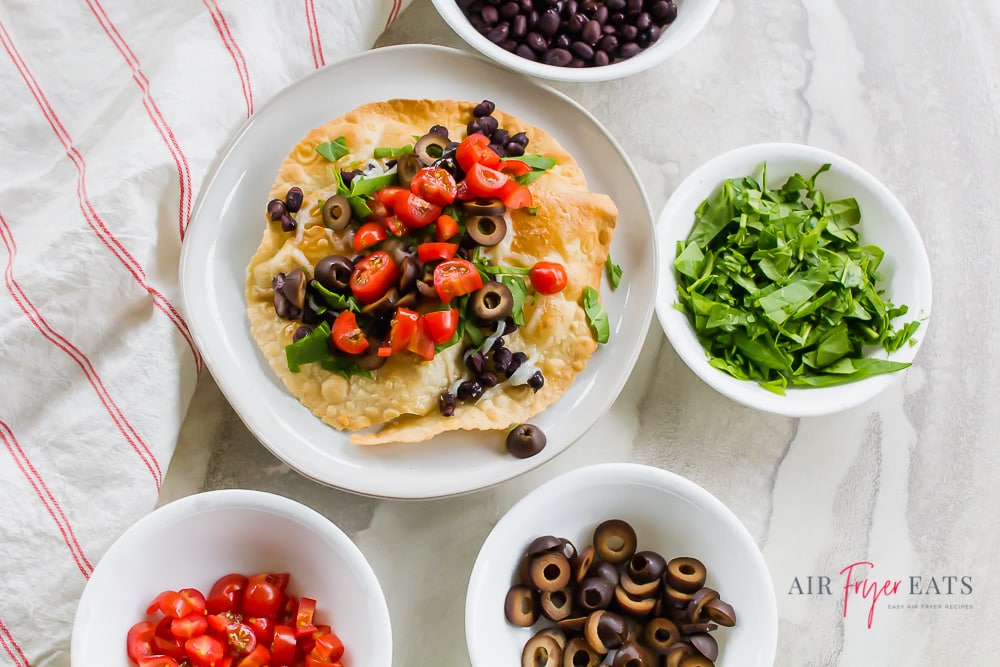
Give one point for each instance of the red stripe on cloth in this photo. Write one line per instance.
(314, 39)
(396, 6)
(43, 327)
(11, 647)
(155, 115)
(87, 207)
(48, 500)
(234, 50)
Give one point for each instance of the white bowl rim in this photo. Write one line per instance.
(636, 473)
(663, 49)
(695, 358)
(224, 499)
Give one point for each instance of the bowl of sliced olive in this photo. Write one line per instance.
(624, 565)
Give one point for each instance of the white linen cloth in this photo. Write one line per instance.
(113, 113)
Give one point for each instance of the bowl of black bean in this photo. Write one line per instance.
(577, 40)
(621, 565)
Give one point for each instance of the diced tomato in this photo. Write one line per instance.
(219, 623)
(421, 343)
(204, 651)
(368, 235)
(241, 638)
(194, 598)
(263, 628)
(157, 661)
(402, 329)
(475, 149)
(287, 615)
(434, 252)
(485, 182)
(313, 661)
(263, 597)
(389, 195)
(372, 277)
(304, 617)
(396, 226)
(328, 647)
(434, 184)
(283, 646)
(170, 603)
(348, 337)
(441, 324)
(463, 193)
(306, 642)
(548, 277)
(515, 167)
(416, 212)
(260, 657)
(139, 641)
(164, 643)
(518, 197)
(384, 350)
(226, 594)
(189, 626)
(455, 277)
(446, 227)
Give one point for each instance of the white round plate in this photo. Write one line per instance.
(224, 234)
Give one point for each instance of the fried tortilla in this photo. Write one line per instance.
(399, 403)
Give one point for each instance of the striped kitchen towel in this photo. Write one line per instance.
(113, 113)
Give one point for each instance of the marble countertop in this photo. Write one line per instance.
(907, 483)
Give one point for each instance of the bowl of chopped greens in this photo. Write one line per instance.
(794, 281)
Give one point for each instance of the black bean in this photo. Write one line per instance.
(526, 52)
(591, 32)
(558, 57)
(525, 5)
(501, 359)
(548, 23)
(601, 58)
(642, 39)
(520, 138)
(490, 15)
(498, 149)
(570, 8)
(470, 390)
(293, 199)
(475, 127)
(301, 333)
(536, 381)
(498, 34)
(654, 33)
(613, 5)
(516, 360)
(643, 21)
(589, 7)
(488, 379)
(615, 19)
(519, 26)
(489, 124)
(575, 23)
(509, 10)
(276, 209)
(633, 6)
(287, 223)
(513, 149)
(446, 404)
(582, 50)
(465, 3)
(500, 136)
(628, 49)
(601, 15)
(536, 42)
(560, 42)
(627, 33)
(608, 29)
(438, 129)
(348, 175)
(475, 362)
(509, 326)
(509, 45)
(608, 44)
(663, 11)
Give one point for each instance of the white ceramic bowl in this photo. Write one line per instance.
(193, 541)
(670, 514)
(692, 15)
(905, 270)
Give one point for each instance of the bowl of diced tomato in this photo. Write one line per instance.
(232, 578)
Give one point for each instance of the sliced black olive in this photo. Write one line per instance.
(567, 549)
(486, 230)
(556, 634)
(634, 654)
(698, 601)
(430, 147)
(579, 654)
(542, 651)
(679, 653)
(336, 212)
(573, 625)
(521, 606)
(490, 206)
(721, 612)
(660, 634)
(549, 571)
(696, 661)
(638, 590)
(283, 308)
(384, 304)
(584, 561)
(615, 541)
(493, 301)
(408, 300)
(407, 167)
(646, 566)
(706, 645)
(540, 545)
(595, 593)
(635, 606)
(446, 404)
(525, 440)
(605, 570)
(409, 271)
(334, 273)
(556, 605)
(426, 289)
(605, 630)
(294, 288)
(685, 574)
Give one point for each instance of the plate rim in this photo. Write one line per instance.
(198, 329)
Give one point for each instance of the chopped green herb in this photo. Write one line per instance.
(519, 292)
(314, 348)
(614, 272)
(334, 150)
(336, 301)
(780, 290)
(597, 317)
(383, 152)
(539, 165)
(366, 185)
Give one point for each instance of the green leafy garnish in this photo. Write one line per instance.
(336, 301)
(383, 152)
(334, 150)
(614, 272)
(597, 317)
(362, 186)
(781, 291)
(519, 292)
(314, 348)
(539, 165)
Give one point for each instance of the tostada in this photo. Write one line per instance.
(429, 266)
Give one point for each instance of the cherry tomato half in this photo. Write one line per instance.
(140, 640)
(263, 628)
(241, 638)
(475, 149)
(157, 661)
(263, 597)
(455, 277)
(434, 252)
(415, 212)
(328, 647)
(226, 594)
(403, 328)
(445, 227)
(485, 182)
(372, 277)
(348, 337)
(304, 617)
(548, 277)
(514, 167)
(283, 646)
(204, 650)
(368, 235)
(435, 185)
(189, 626)
(441, 324)
(170, 603)
(421, 343)
(389, 195)
(518, 197)
(260, 657)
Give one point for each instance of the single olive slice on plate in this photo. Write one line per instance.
(646, 566)
(721, 612)
(336, 212)
(636, 589)
(540, 545)
(637, 607)
(556, 605)
(660, 634)
(605, 631)
(578, 653)
(430, 147)
(493, 301)
(486, 230)
(685, 574)
(706, 645)
(550, 571)
(696, 661)
(678, 653)
(407, 167)
(615, 541)
(634, 654)
(521, 606)
(485, 206)
(595, 593)
(542, 651)
(584, 561)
